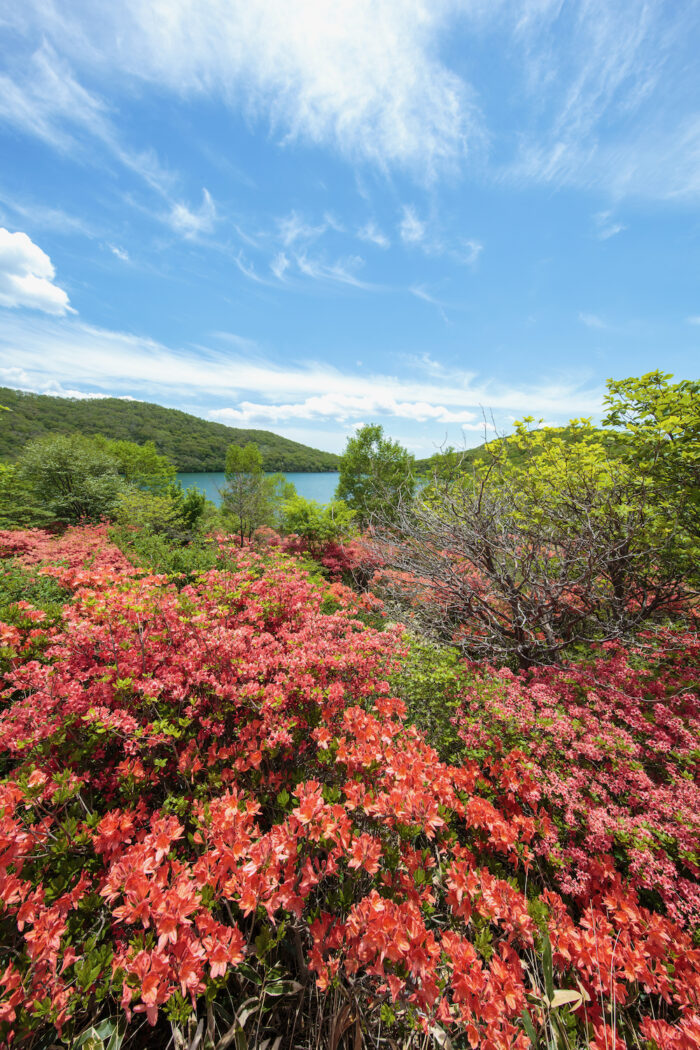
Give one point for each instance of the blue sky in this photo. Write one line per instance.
(306, 216)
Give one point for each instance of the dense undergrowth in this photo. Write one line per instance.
(237, 809)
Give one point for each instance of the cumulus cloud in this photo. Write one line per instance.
(346, 407)
(26, 276)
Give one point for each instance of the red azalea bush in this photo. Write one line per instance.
(612, 747)
(349, 559)
(210, 791)
(79, 547)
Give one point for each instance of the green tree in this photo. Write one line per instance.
(250, 496)
(139, 465)
(143, 509)
(317, 524)
(193, 504)
(19, 506)
(377, 475)
(659, 437)
(71, 478)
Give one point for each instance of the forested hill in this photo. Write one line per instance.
(190, 443)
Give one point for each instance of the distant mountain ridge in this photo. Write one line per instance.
(191, 443)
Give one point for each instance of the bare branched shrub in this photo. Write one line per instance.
(519, 565)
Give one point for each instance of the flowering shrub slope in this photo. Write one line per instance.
(212, 793)
(613, 748)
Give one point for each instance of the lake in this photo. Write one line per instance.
(319, 486)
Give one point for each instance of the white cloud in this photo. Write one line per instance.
(592, 321)
(411, 229)
(279, 265)
(694, 320)
(601, 94)
(248, 270)
(606, 225)
(46, 100)
(370, 232)
(358, 75)
(609, 97)
(332, 222)
(470, 251)
(421, 293)
(342, 271)
(121, 253)
(79, 355)
(26, 276)
(40, 216)
(345, 407)
(293, 228)
(414, 232)
(189, 221)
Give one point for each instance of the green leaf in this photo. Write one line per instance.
(529, 1028)
(283, 988)
(107, 1035)
(547, 968)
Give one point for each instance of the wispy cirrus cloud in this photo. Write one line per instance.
(279, 265)
(35, 215)
(192, 221)
(43, 97)
(371, 233)
(421, 292)
(592, 82)
(374, 90)
(81, 356)
(607, 226)
(293, 229)
(342, 271)
(469, 251)
(592, 321)
(412, 230)
(121, 253)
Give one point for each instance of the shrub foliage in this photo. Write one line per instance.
(217, 820)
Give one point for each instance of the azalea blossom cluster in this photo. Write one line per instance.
(191, 775)
(349, 558)
(612, 747)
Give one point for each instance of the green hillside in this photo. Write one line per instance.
(190, 443)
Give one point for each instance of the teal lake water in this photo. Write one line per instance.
(311, 486)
